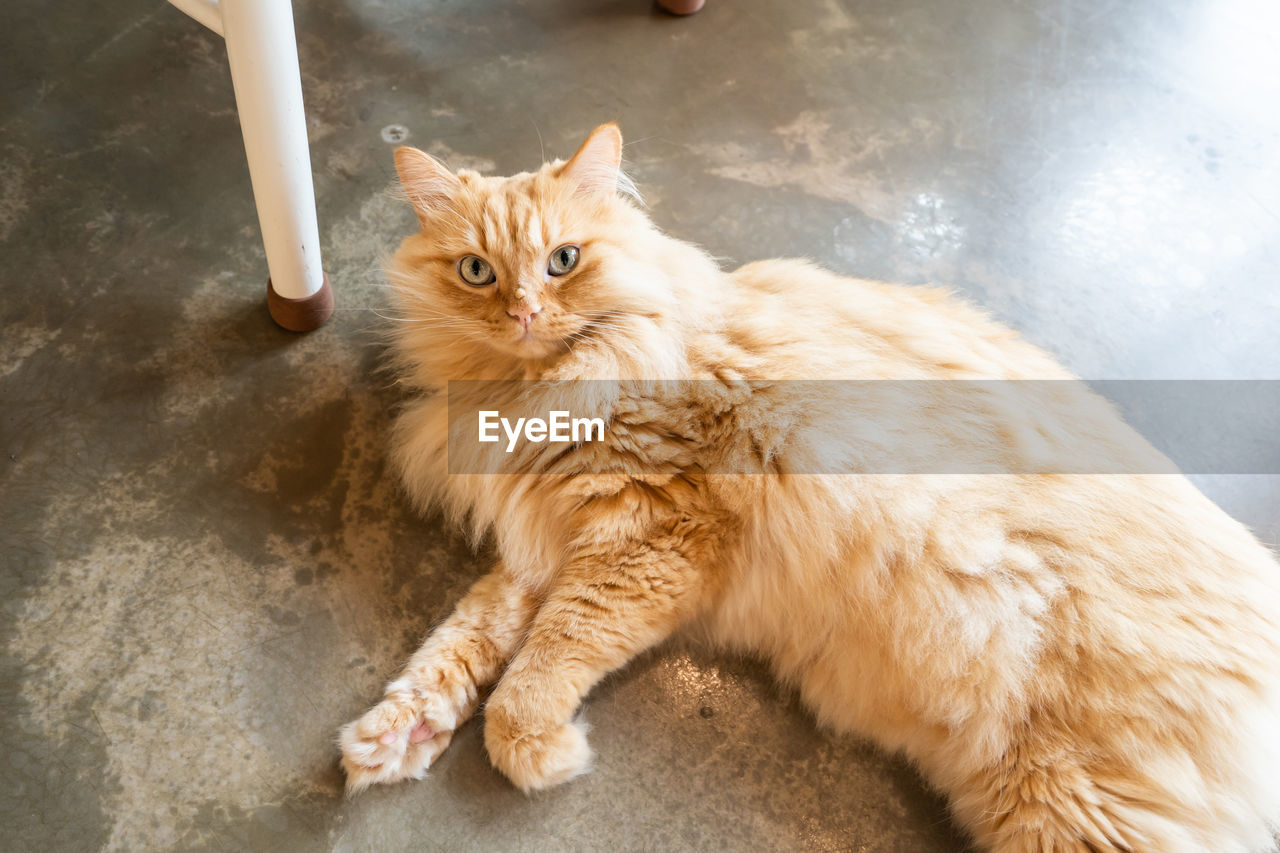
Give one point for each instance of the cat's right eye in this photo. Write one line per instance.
(475, 271)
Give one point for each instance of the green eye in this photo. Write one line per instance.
(475, 271)
(563, 259)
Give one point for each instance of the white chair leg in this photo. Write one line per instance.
(263, 55)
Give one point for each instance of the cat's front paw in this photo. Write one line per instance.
(393, 741)
(536, 760)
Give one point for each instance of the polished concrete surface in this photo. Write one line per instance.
(206, 567)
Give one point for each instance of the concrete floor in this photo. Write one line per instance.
(206, 567)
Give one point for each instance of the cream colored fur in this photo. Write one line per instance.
(1079, 662)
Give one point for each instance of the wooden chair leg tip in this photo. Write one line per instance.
(301, 315)
(681, 7)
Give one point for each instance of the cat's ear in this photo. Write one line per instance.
(594, 169)
(428, 182)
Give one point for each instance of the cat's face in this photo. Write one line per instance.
(520, 267)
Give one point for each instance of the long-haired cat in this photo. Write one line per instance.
(1079, 662)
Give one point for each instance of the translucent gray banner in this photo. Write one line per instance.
(737, 426)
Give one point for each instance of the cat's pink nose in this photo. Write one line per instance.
(525, 313)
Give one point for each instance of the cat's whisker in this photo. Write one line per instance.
(542, 151)
(439, 321)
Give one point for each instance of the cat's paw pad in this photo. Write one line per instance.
(392, 742)
(536, 761)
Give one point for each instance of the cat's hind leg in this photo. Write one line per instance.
(438, 689)
(1061, 801)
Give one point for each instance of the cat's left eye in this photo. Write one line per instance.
(475, 271)
(563, 259)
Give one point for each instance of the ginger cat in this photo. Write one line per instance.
(1079, 662)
